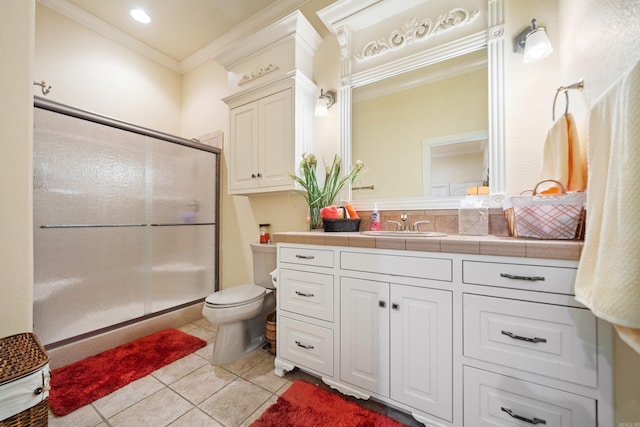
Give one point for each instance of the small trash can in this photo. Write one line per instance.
(24, 381)
(270, 332)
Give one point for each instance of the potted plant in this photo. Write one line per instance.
(318, 197)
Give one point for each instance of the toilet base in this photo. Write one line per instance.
(236, 340)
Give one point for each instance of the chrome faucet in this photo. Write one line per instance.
(398, 225)
(404, 226)
(404, 217)
(416, 225)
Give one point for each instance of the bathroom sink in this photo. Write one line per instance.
(404, 233)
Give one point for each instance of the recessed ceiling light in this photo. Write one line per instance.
(140, 15)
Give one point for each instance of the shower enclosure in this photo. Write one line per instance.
(125, 222)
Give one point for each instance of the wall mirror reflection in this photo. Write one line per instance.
(423, 133)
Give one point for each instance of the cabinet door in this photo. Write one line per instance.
(243, 167)
(364, 334)
(276, 149)
(421, 349)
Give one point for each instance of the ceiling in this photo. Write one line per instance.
(180, 28)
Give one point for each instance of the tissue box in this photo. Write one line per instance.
(473, 221)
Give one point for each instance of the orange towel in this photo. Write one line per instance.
(562, 158)
(351, 211)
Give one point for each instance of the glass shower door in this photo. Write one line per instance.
(183, 182)
(89, 226)
(124, 223)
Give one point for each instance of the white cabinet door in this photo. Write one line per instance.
(276, 149)
(364, 334)
(243, 163)
(262, 145)
(421, 349)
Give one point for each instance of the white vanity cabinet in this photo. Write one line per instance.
(456, 340)
(305, 319)
(532, 355)
(395, 342)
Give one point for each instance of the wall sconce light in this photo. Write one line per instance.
(533, 43)
(326, 100)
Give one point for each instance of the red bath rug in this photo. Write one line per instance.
(82, 382)
(307, 405)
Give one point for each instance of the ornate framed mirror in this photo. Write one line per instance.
(414, 71)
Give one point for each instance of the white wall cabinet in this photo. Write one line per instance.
(261, 152)
(270, 127)
(456, 340)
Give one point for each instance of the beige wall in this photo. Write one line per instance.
(16, 123)
(90, 72)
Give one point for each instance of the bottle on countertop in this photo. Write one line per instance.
(375, 218)
(264, 233)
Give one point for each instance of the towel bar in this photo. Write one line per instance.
(578, 85)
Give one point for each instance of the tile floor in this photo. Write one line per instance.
(192, 393)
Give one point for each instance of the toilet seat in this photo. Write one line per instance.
(235, 296)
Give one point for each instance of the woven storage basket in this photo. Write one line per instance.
(547, 217)
(21, 355)
(270, 332)
(348, 224)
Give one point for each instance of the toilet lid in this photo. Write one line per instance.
(236, 295)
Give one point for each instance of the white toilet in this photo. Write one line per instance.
(240, 311)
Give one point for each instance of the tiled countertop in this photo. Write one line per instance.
(476, 245)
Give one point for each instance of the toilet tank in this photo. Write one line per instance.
(264, 262)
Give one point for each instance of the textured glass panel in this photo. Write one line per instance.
(86, 173)
(86, 279)
(183, 184)
(183, 264)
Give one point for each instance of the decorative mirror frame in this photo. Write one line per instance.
(492, 38)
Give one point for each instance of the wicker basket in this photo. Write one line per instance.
(270, 332)
(36, 416)
(336, 225)
(22, 355)
(547, 217)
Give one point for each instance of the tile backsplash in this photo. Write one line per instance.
(443, 220)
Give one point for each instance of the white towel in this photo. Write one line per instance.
(608, 279)
(562, 156)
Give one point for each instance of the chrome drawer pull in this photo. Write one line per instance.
(302, 294)
(305, 256)
(518, 337)
(521, 418)
(305, 346)
(530, 278)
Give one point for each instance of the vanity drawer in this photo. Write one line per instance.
(305, 256)
(559, 280)
(492, 400)
(309, 294)
(549, 340)
(398, 265)
(306, 345)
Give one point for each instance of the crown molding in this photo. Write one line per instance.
(247, 27)
(79, 15)
(279, 11)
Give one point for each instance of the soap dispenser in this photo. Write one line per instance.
(375, 218)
